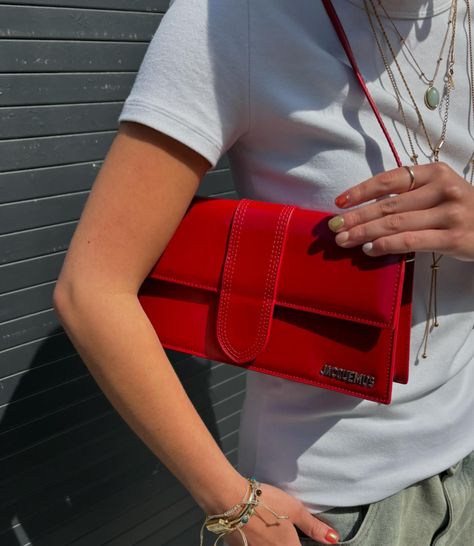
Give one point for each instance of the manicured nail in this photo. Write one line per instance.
(342, 237)
(336, 223)
(332, 537)
(367, 247)
(342, 200)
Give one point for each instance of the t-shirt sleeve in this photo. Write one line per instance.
(193, 82)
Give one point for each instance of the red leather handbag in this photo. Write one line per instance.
(264, 286)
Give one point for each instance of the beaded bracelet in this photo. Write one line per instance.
(222, 525)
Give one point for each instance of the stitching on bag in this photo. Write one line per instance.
(268, 292)
(271, 280)
(389, 356)
(226, 341)
(397, 287)
(269, 288)
(229, 271)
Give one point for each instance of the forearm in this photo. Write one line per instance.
(120, 348)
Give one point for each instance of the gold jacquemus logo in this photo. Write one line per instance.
(348, 376)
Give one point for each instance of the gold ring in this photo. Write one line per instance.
(412, 177)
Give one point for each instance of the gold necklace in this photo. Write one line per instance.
(431, 96)
(432, 305)
(448, 79)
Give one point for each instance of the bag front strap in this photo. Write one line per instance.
(249, 280)
(350, 55)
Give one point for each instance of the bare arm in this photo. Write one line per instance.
(138, 199)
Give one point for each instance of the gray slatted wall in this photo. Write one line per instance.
(71, 472)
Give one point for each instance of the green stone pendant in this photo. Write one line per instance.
(432, 98)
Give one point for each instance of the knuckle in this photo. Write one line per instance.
(316, 527)
(389, 206)
(452, 191)
(386, 179)
(394, 222)
(352, 218)
(408, 242)
(358, 233)
(455, 215)
(359, 192)
(382, 246)
(443, 169)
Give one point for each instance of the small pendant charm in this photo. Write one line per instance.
(432, 98)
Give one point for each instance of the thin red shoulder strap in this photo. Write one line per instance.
(347, 48)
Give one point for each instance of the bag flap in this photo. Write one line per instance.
(250, 278)
(315, 274)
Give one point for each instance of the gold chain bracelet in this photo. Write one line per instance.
(223, 524)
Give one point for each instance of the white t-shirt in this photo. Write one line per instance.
(268, 82)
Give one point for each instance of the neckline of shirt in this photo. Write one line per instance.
(411, 9)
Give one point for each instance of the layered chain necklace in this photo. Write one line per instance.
(432, 101)
(432, 95)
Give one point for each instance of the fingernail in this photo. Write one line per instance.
(332, 537)
(367, 247)
(342, 200)
(336, 223)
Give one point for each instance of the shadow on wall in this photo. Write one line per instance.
(69, 464)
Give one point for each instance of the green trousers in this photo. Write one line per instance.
(437, 511)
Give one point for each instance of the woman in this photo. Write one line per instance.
(269, 83)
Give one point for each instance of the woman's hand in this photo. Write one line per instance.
(437, 215)
(263, 529)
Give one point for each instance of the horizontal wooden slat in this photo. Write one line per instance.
(151, 502)
(38, 352)
(41, 212)
(24, 330)
(31, 121)
(59, 56)
(38, 455)
(105, 530)
(26, 89)
(162, 527)
(30, 272)
(53, 505)
(227, 195)
(35, 242)
(189, 532)
(164, 534)
(127, 5)
(22, 433)
(24, 153)
(26, 301)
(72, 24)
(40, 378)
(74, 477)
(46, 182)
